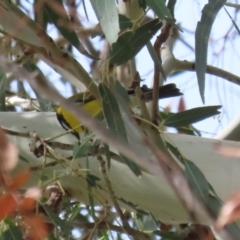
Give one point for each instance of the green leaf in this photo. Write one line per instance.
(3, 87)
(107, 14)
(115, 122)
(142, 4)
(12, 233)
(111, 112)
(118, 87)
(90, 195)
(202, 34)
(191, 116)
(160, 9)
(196, 179)
(92, 180)
(56, 219)
(166, 235)
(124, 22)
(156, 60)
(131, 42)
(22, 158)
(60, 19)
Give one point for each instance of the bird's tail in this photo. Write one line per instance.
(166, 91)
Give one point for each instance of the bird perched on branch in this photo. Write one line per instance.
(94, 106)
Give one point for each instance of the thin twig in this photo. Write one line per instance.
(218, 72)
(158, 79)
(111, 193)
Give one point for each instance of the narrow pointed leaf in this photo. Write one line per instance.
(115, 122)
(191, 116)
(3, 87)
(60, 19)
(131, 42)
(202, 34)
(159, 7)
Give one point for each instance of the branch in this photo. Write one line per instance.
(218, 72)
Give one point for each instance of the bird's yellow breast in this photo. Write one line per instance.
(94, 108)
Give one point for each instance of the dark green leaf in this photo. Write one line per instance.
(196, 179)
(43, 177)
(166, 235)
(92, 180)
(56, 219)
(107, 155)
(174, 150)
(90, 196)
(12, 233)
(142, 4)
(22, 158)
(111, 112)
(130, 204)
(60, 19)
(191, 116)
(121, 91)
(115, 122)
(124, 22)
(3, 88)
(156, 60)
(132, 165)
(160, 8)
(131, 42)
(202, 34)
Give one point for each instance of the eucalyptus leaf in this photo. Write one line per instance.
(124, 22)
(59, 17)
(131, 42)
(12, 233)
(60, 20)
(92, 180)
(121, 91)
(196, 179)
(3, 88)
(159, 7)
(155, 58)
(107, 14)
(57, 220)
(115, 122)
(202, 34)
(191, 116)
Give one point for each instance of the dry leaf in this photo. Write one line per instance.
(36, 228)
(8, 153)
(8, 204)
(19, 180)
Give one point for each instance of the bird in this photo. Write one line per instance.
(94, 107)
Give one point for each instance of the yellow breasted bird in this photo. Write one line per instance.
(94, 107)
